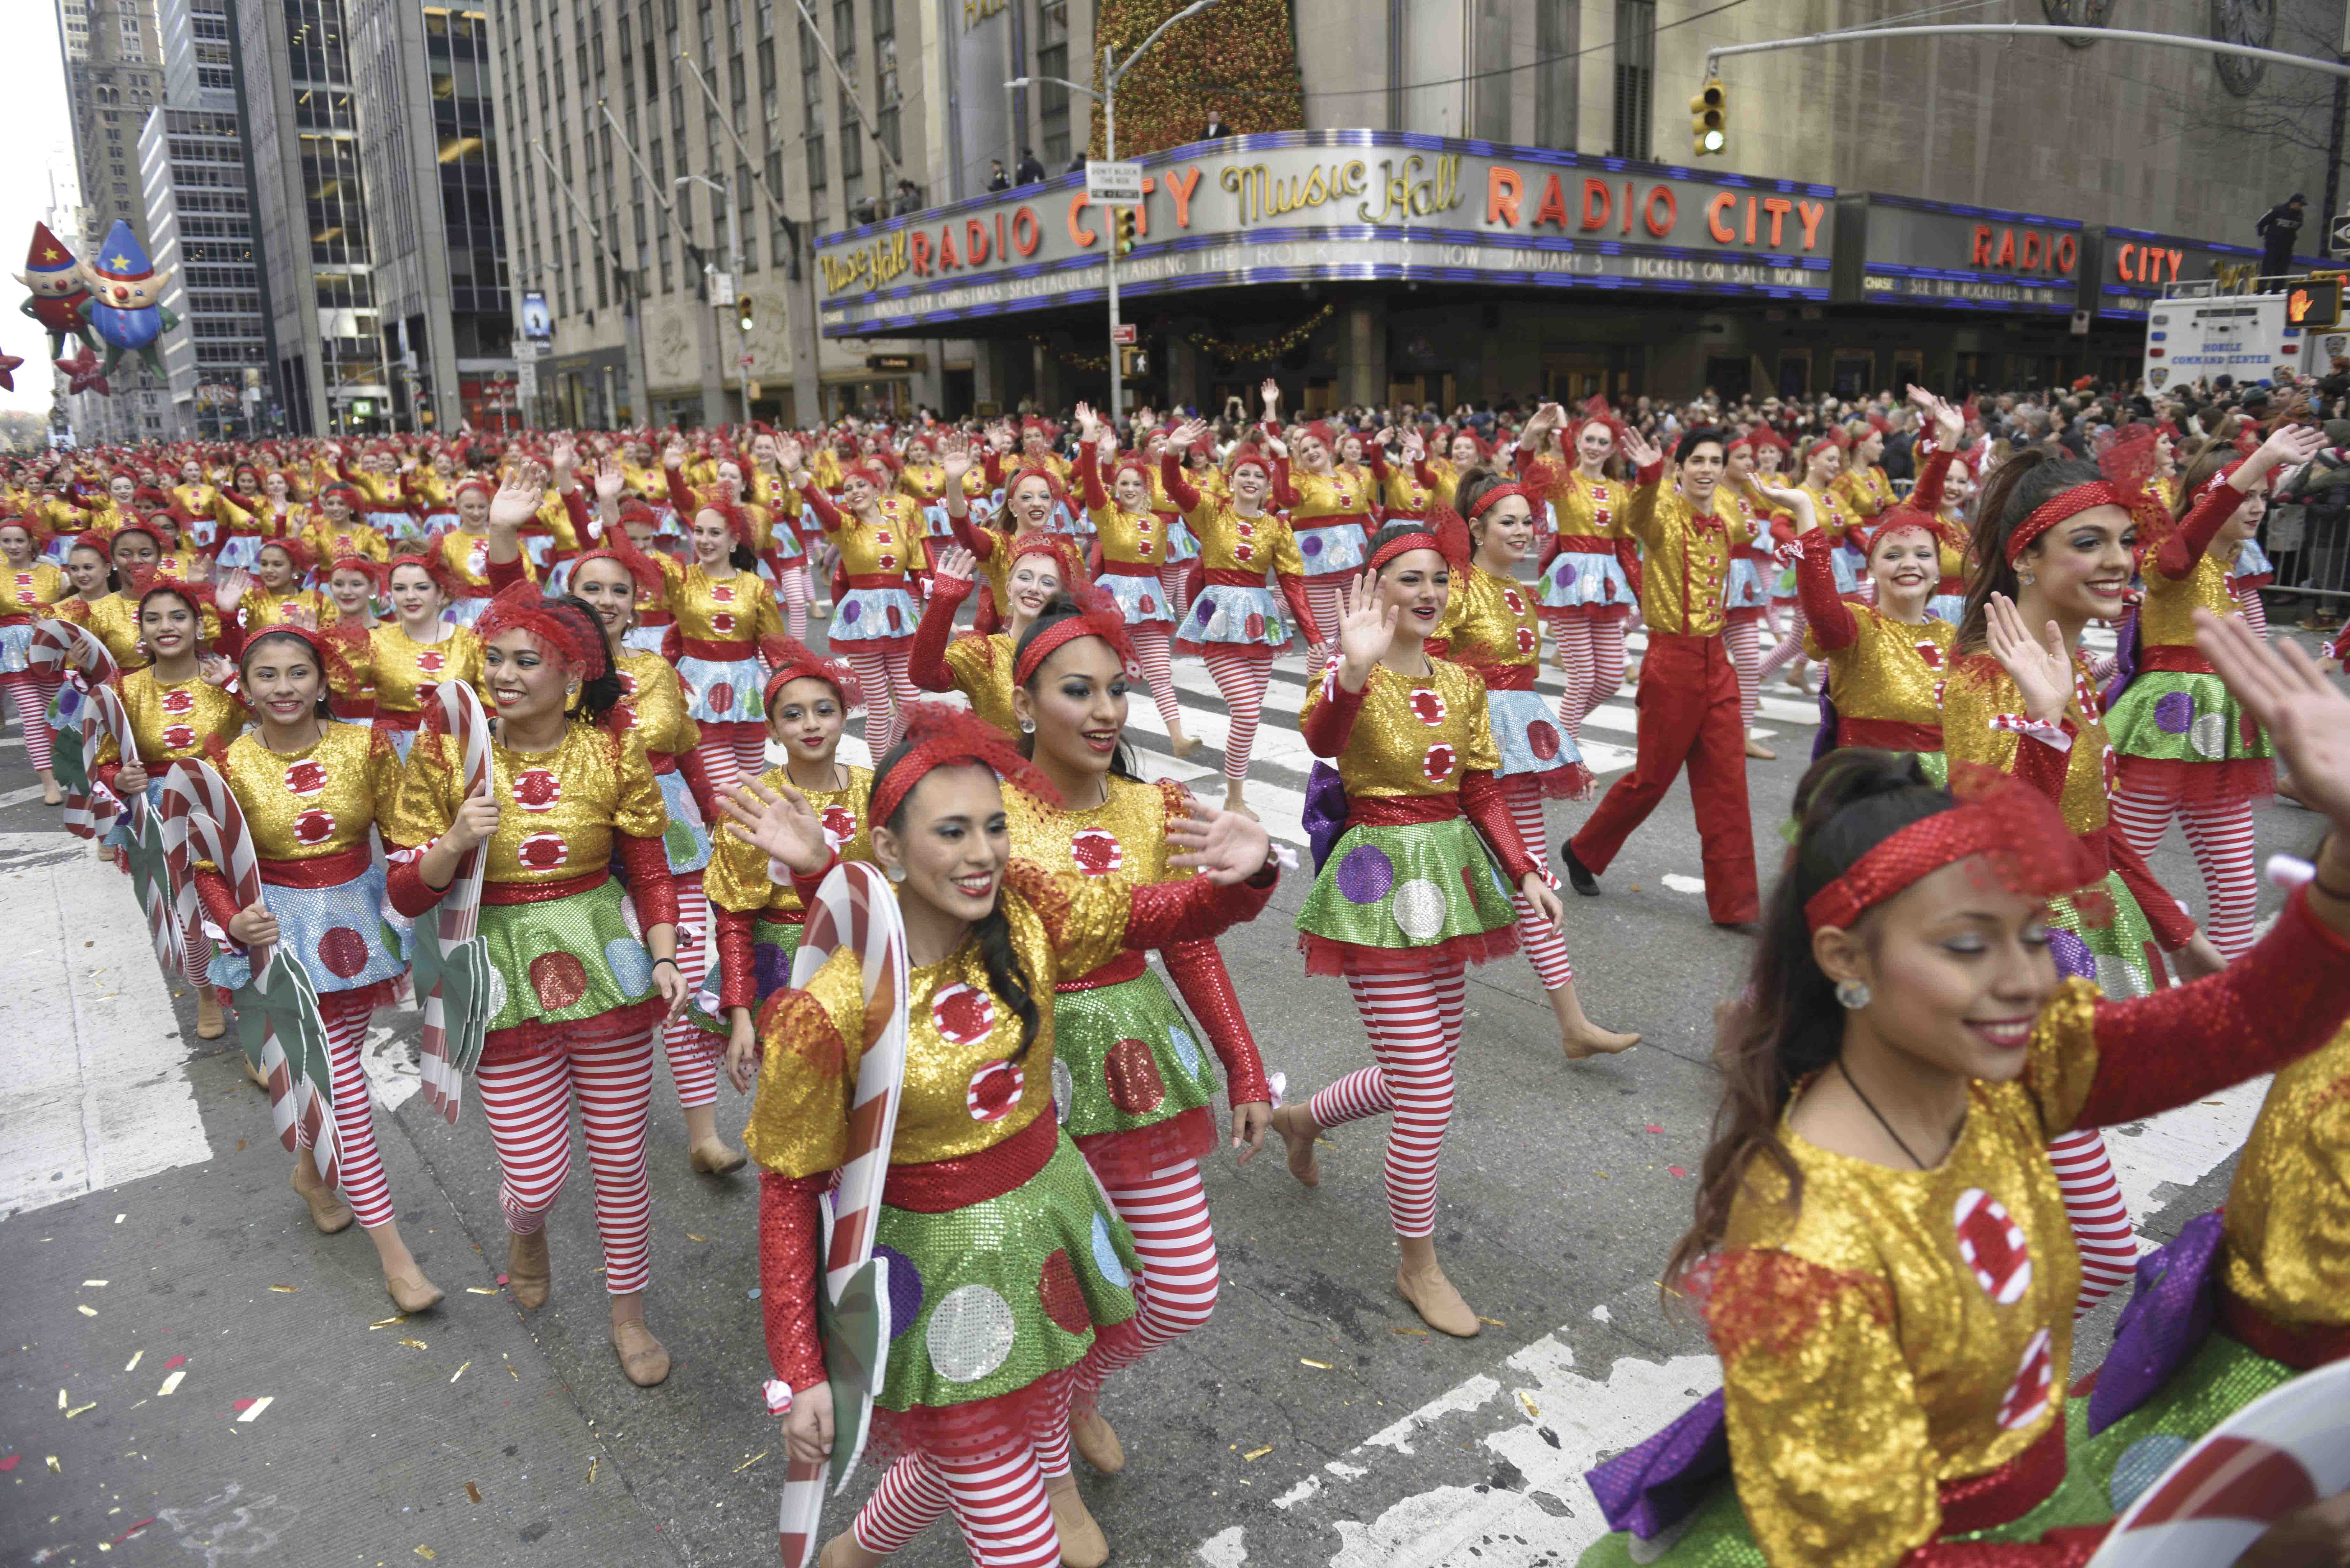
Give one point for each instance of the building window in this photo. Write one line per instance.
(1636, 62)
(812, 112)
(1052, 98)
(1557, 35)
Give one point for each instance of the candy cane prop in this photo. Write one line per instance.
(854, 908)
(277, 1016)
(60, 650)
(101, 719)
(452, 965)
(142, 844)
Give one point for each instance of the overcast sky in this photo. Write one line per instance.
(37, 137)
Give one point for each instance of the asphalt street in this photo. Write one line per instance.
(192, 1374)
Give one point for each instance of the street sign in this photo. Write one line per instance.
(2337, 236)
(524, 350)
(722, 288)
(526, 380)
(1122, 333)
(1119, 183)
(744, 359)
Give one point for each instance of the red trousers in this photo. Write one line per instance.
(1689, 713)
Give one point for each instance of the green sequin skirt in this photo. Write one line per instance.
(2101, 934)
(986, 1300)
(2102, 1475)
(2181, 717)
(565, 959)
(1125, 1057)
(1429, 885)
(774, 945)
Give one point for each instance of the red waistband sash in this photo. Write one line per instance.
(2300, 1346)
(1401, 810)
(663, 762)
(1585, 544)
(2006, 1494)
(399, 717)
(1509, 677)
(717, 651)
(650, 616)
(771, 916)
(867, 580)
(17, 617)
(2175, 661)
(1888, 734)
(319, 871)
(1128, 570)
(1334, 519)
(1231, 577)
(942, 1186)
(1126, 966)
(544, 892)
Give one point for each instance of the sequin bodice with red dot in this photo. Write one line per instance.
(1414, 735)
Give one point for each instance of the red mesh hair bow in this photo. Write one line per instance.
(1061, 548)
(792, 659)
(570, 638)
(1098, 614)
(432, 564)
(1444, 533)
(2012, 828)
(939, 736)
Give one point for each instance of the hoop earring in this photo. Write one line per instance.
(1853, 995)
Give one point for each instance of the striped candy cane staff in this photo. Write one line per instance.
(59, 649)
(856, 910)
(452, 969)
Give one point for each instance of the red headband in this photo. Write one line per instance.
(550, 623)
(737, 521)
(939, 736)
(622, 552)
(361, 564)
(472, 481)
(1899, 519)
(350, 497)
(1052, 481)
(89, 539)
(1478, 508)
(430, 565)
(322, 642)
(1098, 615)
(1447, 537)
(2056, 508)
(2013, 825)
(136, 527)
(792, 659)
(295, 552)
(157, 583)
(1246, 456)
(1061, 548)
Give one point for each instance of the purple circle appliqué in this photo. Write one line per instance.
(2074, 960)
(851, 611)
(905, 1291)
(1366, 874)
(2174, 713)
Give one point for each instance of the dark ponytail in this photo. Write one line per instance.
(1007, 977)
(1472, 485)
(743, 558)
(599, 696)
(1058, 608)
(1788, 1025)
(2014, 491)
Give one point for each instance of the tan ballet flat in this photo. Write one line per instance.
(1183, 746)
(1760, 752)
(715, 1157)
(1096, 1440)
(528, 1272)
(643, 1360)
(210, 1023)
(252, 1073)
(1083, 1545)
(1594, 1041)
(1439, 1305)
(411, 1292)
(329, 1213)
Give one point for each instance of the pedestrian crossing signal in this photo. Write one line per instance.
(2315, 304)
(1710, 120)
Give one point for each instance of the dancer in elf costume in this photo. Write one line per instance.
(409, 657)
(877, 533)
(1329, 513)
(1042, 566)
(1132, 548)
(1587, 569)
(28, 586)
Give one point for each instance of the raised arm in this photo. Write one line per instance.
(1830, 620)
(926, 661)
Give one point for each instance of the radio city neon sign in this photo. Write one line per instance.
(2001, 250)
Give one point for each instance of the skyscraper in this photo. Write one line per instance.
(200, 226)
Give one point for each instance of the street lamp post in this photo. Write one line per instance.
(725, 186)
(1112, 72)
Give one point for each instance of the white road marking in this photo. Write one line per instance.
(19, 797)
(98, 1094)
(390, 1067)
(1227, 1550)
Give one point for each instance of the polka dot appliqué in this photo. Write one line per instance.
(559, 979)
(971, 1333)
(1364, 874)
(542, 852)
(1427, 707)
(343, 952)
(1132, 1075)
(630, 965)
(1097, 853)
(313, 826)
(905, 1291)
(1419, 909)
(964, 1014)
(537, 789)
(1064, 1299)
(1106, 1258)
(994, 1089)
(1065, 1089)
(1187, 1050)
(1993, 1245)
(1437, 766)
(1542, 739)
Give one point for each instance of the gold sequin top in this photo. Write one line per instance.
(962, 1092)
(320, 801)
(1490, 619)
(1866, 491)
(30, 589)
(558, 810)
(1232, 543)
(1902, 1328)
(259, 607)
(115, 620)
(1688, 557)
(739, 609)
(981, 667)
(1891, 669)
(1414, 734)
(172, 719)
(889, 546)
(408, 672)
(1403, 490)
(1595, 508)
(737, 876)
(331, 544)
(1131, 538)
(2166, 617)
(1123, 840)
(467, 557)
(1310, 498)
(656, 699)
(1977, 691)
(2288, 1213)
(1446, 478)
(207, 501)
(1832, 508)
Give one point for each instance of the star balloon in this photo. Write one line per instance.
(83, 367)
(9, 363)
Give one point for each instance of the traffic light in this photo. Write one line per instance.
(2315, 304)
(1122, 237)
(743, 311)
(1710, 120)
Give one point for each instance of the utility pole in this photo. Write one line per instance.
(2334, 139)
(632, 292)
(725, 186)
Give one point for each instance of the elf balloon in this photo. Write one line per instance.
(55, 278)
(126, 305)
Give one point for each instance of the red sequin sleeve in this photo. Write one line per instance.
(1926, 495)
(2184, 544)
(2278, 1003)
(1293, 589)
(680, 496)
(650, 884)
(218, 898)
(789, 1229)
(504, 574)
(1482, 803)
(696, 769)
(1330, 713)
(827, 515)
(1180, 490)
(1827, 616)
(1284, 497)
(926, 660)
(1089, 476)
(738, 983)
(575, 506)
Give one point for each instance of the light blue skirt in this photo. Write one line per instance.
(1527, 733)
(238, 552)
(339, 933)
(1233, 613)
(1142, 599)
(1746, 587)
(1181, 544)
(722, 691)
(464, 611)
(874, 615)
(687, 838)
(16, 648)
(1328, 551)
(1579, 579)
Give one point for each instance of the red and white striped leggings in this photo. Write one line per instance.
(2101, 1222)
(1242, 672)
(692, 1049)
(1414, 1024)
(791, 588)
(1172, 577)
(998, 1502)
(1169, 1216)
(365, 1188)
(888, 688)
(731, 752)
(1150, 638)
(1744, 637)
(1322, 596)
(30, 697)
(1790, 649)
(1594, 650)
(1545, 943)
(529, 1107)
(2220, 834)
(2256, 611)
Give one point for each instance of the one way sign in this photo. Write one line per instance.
(2337, 236)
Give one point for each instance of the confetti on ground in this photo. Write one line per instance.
(751, 1295)
(1258, 1453)
(1495, 1321)
(86, 1310)
(1677, 1170)
(1420, 1332)
(502, 1279)
(131, 1531)
(459, 1373)
(754, 1459)
(691, 1237)
(592, 1463)
(391, 1322)
(119, 1219)
(79, 1408)
(175, 1361)
(472, 1493)
(97, 1285)
(427, 1554)
(62, 1400)
(415, 1345)
(9, 1463)
(133, 1365)
(1526, 1402)
(480, 1290)
(513, 1374)
(251, 1410)
(1652, 1127)
(59, 1468)
(240, 1145)
(1604, 1177)
(285, 1290)
(171, 1382)
(1322, 1364)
